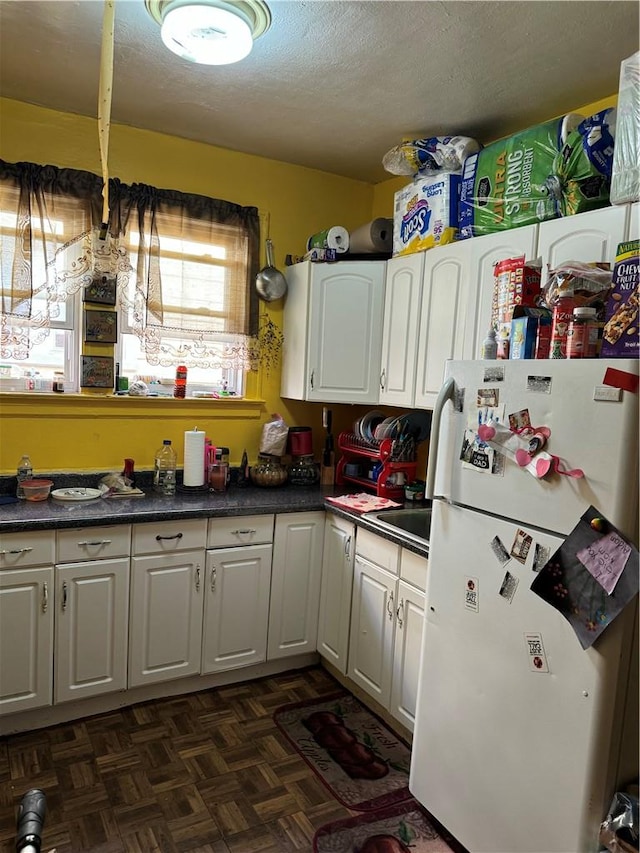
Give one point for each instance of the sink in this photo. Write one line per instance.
(413, 524)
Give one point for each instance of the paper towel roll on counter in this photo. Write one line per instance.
(373, 237)
(333, 238)
(193, 458)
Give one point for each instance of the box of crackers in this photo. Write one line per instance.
(620, 337)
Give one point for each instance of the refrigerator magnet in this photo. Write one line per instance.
(509, 586)
(493, 374)
(471, 592)
(541, 555)
(537, 655)
(499, 550)
(521, 546)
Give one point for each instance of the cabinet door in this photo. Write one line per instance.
(634, 222)
(295, 317)
(485, 253)
(592, 236)
(26, 639)
(442, 317)
(372, 624)
(345, 331)
(406, 654)
(236, 611)
(165, 619)
(403, 293)
(91, 628)
(295, 584)
(335, 590)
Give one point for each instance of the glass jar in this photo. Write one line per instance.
(268, 471)
(303, 471)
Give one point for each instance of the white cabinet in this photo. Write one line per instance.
(91, 628)
(403, 292)
(592, 236)
(295, 584)
(335, 591)
(634, 222)
(236, 594)
(165, 615)
(333, 331)
(442, 317)
(406, 654)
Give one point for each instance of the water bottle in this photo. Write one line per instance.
(164, 474)
(25, 472)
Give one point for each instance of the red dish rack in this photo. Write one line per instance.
(356, 449)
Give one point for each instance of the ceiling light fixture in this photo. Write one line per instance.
(210, 32)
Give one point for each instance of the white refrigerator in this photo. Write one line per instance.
(516, 753)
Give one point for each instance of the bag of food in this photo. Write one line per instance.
(274, 437)
(429, 156)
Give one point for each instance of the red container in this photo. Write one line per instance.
(300, 441)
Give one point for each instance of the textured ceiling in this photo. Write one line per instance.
(333, 84)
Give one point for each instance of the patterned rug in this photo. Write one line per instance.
(403, 828)
(362, 762)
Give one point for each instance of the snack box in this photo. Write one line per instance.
(426, 214)
(620, 332)
(524, 330)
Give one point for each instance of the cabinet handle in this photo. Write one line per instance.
(347, 547)
(244, 532)
(45, 597)
(311, 379)
(400, 613)
(213, 580)
(383, 379)
(17, 551)
(390, 605)
(198, 578)
(97, 542)
(175, 536)
(64, 595)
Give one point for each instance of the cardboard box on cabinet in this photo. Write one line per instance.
(426, 213)
(620, 337)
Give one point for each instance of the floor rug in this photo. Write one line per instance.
(362, 762)
(402, 828)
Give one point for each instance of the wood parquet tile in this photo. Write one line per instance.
(205, 773)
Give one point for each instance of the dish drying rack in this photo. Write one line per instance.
(385, 451)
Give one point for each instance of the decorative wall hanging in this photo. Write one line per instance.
(102, 291)
(100, 327)
(97, 372)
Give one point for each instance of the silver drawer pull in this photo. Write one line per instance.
(390, 605)
(347, 547)
(64, 595)
(213, 580)
(400, 613)
(198, 578)
(45, 597)
(243, 532)
(16, 551)
(97, 542)
(175, 536)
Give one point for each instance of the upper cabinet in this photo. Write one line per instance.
(333, 331)
(592, 236)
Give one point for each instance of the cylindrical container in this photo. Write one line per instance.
(180, 386)
(218, 475)
(490, 346)
(562, 317)
(25, 472)
(58, 382)
(300, 441)
(332, 238)
(193, 456)
(128, 471)
(582, 336)
(164, 471)
(303, 471)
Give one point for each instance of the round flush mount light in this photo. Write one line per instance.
(210, 32)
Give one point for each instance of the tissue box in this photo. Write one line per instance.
(524, 330)
(620, 334)
(426, 214)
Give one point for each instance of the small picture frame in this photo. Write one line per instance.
(102, 291)
(97, 372)
(100, 327)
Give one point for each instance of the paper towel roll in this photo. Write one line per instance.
(333, 238)
(375, 236)
(193, 458)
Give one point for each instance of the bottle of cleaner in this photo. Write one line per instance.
(164, 471)
(25, 472)
(490, 346)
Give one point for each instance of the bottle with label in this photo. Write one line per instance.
(25, 472)
(489, 346)
(180, 386)
(582, 335)
(164, 472)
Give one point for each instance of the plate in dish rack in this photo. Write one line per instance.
(77, 494)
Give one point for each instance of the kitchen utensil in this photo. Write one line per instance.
(77, 494)
(270, 282)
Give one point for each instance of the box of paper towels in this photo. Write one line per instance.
(426, 214)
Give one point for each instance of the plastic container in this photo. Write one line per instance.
(303, 471)
(218, 476)
(180, 386)
(36, 490)
(25, 472)
(164, 472)
(490, 346)
(58, 382)
(300, 441)
(582, 335)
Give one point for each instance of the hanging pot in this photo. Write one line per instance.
(270, 282)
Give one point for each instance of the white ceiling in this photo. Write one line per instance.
(333, 84)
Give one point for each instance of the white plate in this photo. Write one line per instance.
(76, 494)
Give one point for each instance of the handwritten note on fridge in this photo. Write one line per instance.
(605, 559)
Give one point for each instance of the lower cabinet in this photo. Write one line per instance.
(406, 654)
(91, 628)
(335, 590)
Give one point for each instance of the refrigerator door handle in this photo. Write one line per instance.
(445, 393)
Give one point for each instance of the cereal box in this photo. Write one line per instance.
(620, 333)
(426, 214)
(524, 330)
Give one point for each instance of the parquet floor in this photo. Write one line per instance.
(204, 773)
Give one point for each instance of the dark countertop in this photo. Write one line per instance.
(248, 500)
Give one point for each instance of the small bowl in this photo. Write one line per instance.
(36, 490)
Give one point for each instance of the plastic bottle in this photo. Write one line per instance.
(164, 473)
(180, 386)
(490, 346)
(25, 472)
(582, 335)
